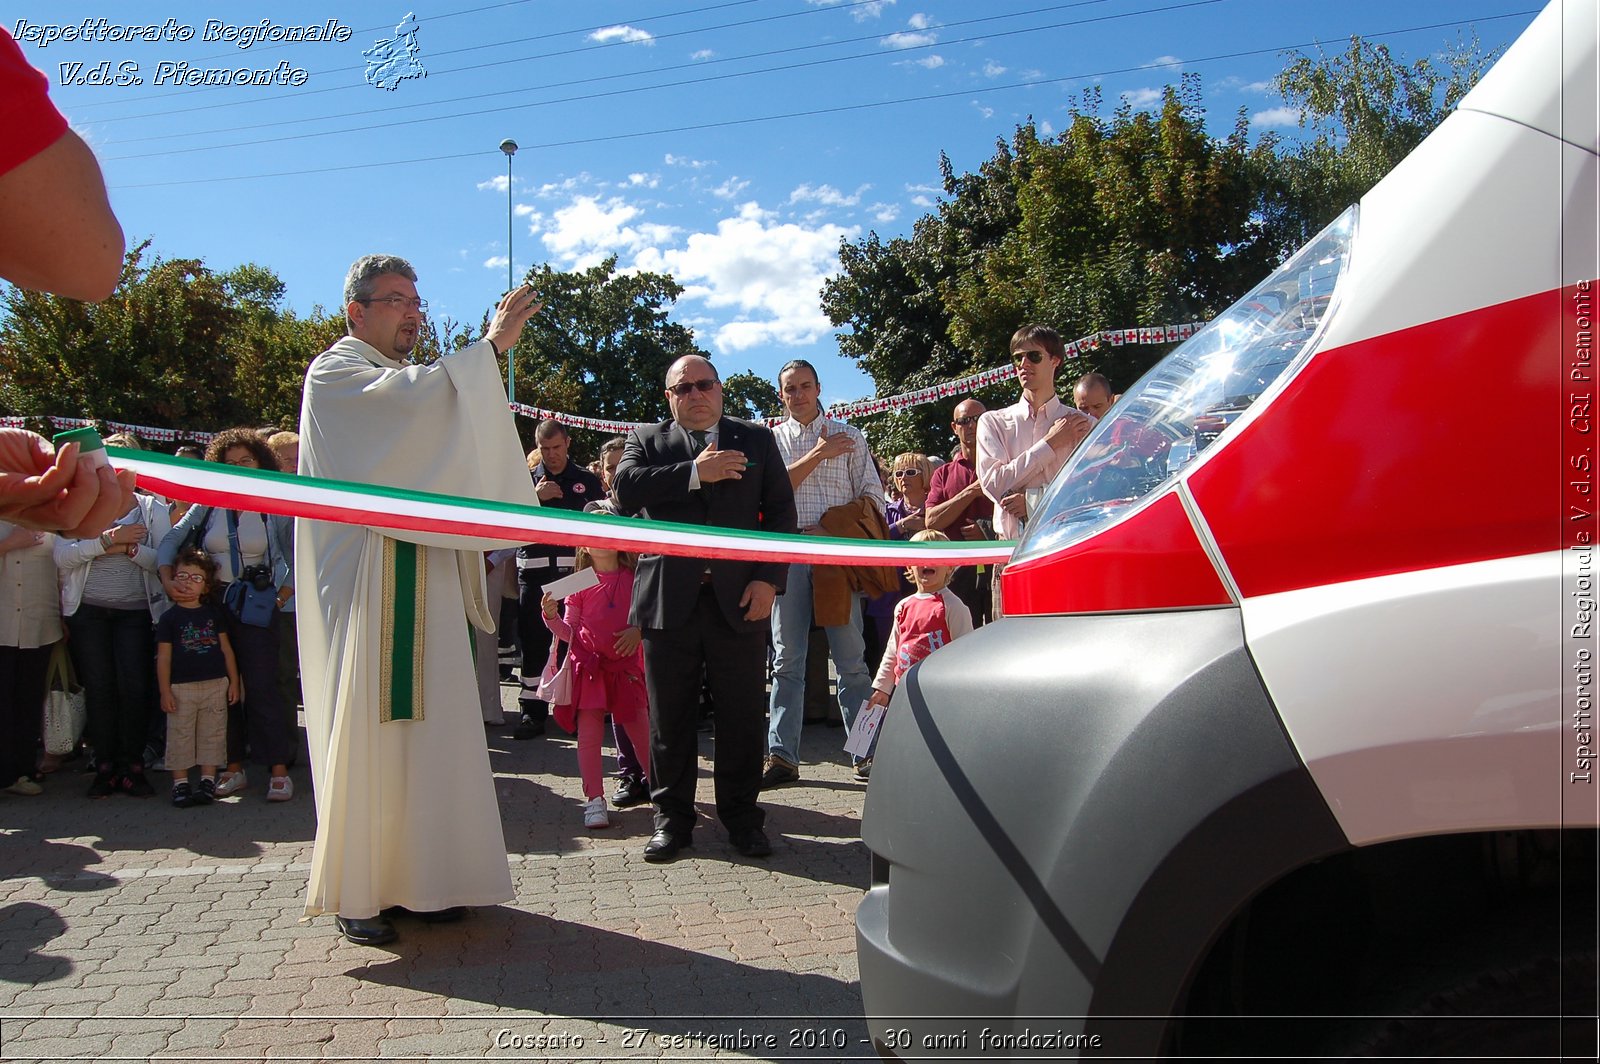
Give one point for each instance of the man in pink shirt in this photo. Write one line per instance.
(1025, 445)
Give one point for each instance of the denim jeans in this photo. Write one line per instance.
(114, 652)
(791, 632)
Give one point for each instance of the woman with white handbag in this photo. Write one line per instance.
(30, 623)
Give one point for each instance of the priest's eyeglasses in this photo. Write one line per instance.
(400, 303)
(683, 388)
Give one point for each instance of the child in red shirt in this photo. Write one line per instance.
(923, 622)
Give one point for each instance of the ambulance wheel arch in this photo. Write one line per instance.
(1408, 948)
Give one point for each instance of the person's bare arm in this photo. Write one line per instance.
(57, 232)
(944, 514)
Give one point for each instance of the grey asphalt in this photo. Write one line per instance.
(130, 930)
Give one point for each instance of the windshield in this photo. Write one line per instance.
(1192, 397)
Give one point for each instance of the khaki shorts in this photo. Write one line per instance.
(197, 734)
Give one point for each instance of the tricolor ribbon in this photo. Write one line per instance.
(316, 498)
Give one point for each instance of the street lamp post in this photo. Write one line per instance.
(509, 146)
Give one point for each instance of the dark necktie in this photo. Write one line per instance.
(699, 438)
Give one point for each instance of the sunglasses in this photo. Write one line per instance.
(1035, 357)
(905, 474)
(683, 388)
(971, 419)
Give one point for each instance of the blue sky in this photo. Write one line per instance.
(732, 144)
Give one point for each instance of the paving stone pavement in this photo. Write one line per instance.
(130, 930)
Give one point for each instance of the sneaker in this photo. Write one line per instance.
(182, 797)
(231, 783)
(281, 789)
(26, 787)
(779, 770)
(863, 770)
(104, 785)
(594, 814)
(631, 791)
(134, 785)
(206, 793)
(158, 765)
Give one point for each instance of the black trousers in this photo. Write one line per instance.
(22, 673)
(114, 652)
(973, 588)
(535, 637)
(735, 664)
(260, 721)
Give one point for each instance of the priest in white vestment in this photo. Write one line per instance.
(406, 807)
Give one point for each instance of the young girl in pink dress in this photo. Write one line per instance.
(607, 668)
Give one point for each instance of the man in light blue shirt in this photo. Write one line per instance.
(829, 464)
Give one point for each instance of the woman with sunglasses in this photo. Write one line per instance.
(910, 474)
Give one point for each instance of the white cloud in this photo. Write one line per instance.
(703, 54)
(644, 180)
(769, 274)
(861, 11)
(626, 34)
(1234, 83)
(826, 195)
(984, 111)
(1142, 98)
(991, 69)
(564, 187)
(1282, 117)
(588, 229)
(909, 40)
(1166, 62)
(1045, 128)
(729, 188)
(496, 183)
(1030, 74)
(919, 21)
(683, 160)
(884, 212)
(931, 62)
(496, 262)
(924, 195)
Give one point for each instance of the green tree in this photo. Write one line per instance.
(601, 344)
(1366, 110)
(177, 345)
(891, 296)
(1142, 218)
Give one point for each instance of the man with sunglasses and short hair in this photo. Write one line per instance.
(407, 818)
(701, 617)
(957, 507)
(1025, 445)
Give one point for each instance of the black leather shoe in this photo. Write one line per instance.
(631, 791)
(664, 846)
(427, 916)
(372, 932)
(752, 842)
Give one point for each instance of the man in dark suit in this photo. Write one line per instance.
(705, 616)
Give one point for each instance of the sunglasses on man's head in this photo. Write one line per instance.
(683, 388)
(1035, 357)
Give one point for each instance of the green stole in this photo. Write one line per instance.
(405, 584)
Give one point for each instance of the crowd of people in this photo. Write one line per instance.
(181, 620)
(177, 618)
